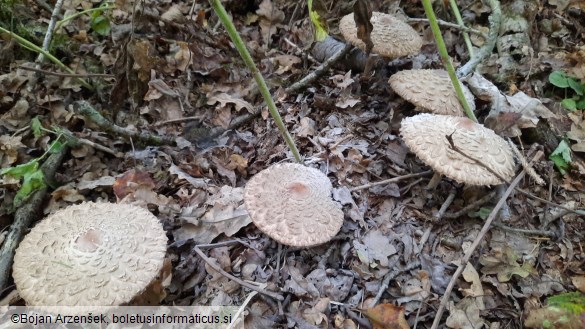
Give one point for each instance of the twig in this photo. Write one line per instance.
(457, 14)
(448, 24)
(50, 29)
(446, 204)
(391, 180)
(525, 231)
(319, 71)
(241, 310)
(471, 206)
(478, 162)
(391, 275)
(476, 242)
(361, 321)
(530, 195)
(66, 75)
(44, 5)
(485, 51)
(26, 215)
(292, 44)
(231, 277)
(86, 110)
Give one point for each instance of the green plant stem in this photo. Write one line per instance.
(81, 13)
(455, 9)
(446, 59)
(241, 47)
(31, 46)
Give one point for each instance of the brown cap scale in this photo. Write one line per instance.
(292, 204)
(424, 134)
(430, 90)
(392, 38)
(91, 254)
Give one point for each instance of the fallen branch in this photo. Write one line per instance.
(476, 242)
(26, 215)
(391, 180)
(84, 109)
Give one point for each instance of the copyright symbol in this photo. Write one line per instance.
(14, 318)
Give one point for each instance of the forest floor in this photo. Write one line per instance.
(168, 69)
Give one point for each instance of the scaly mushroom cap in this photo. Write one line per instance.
(392, 38)
(430, 90)
(425, 135)
(91, 254)
(292, 204)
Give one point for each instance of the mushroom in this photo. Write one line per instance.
(292, 204)
(431, 91)
(426, 135)
(90, 254)
(392, 38)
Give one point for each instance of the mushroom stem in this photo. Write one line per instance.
(434, 181)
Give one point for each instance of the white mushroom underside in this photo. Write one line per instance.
(292, 204)
(52, 268)
(424, 134)
(391, 37)
(431, 91)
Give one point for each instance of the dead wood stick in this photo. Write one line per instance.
(476, 242)
(26, 215)
(84, 109)
(319, 71)
(231, 277)
(391, 180)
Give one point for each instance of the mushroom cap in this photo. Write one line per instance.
(392, 38)
(431, 91)
(425, 135)
(90, 254)
(292, 204)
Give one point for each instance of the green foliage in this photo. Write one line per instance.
(562, 80)
(317, 14)
(574, 302)
(100, 21)
(36, 127)
(482, 213)
(561, 157)
(33, 178)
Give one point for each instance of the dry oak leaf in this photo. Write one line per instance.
(386, 316)
(224, 98)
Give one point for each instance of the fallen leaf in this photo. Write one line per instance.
(387, 316)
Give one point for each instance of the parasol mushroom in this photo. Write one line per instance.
(392, 38)
(427, 135)
(431, 91)
(292, 204)
(90, 254)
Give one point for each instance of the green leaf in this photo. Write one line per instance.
(101, 25)
(56, 147)
(317, 11)
(581, 104)
(576, 86)
(33, 181)
(36, 127)
(558, 79)
(569, 104)
(482, 213)
(561, 157)
(21, 170)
